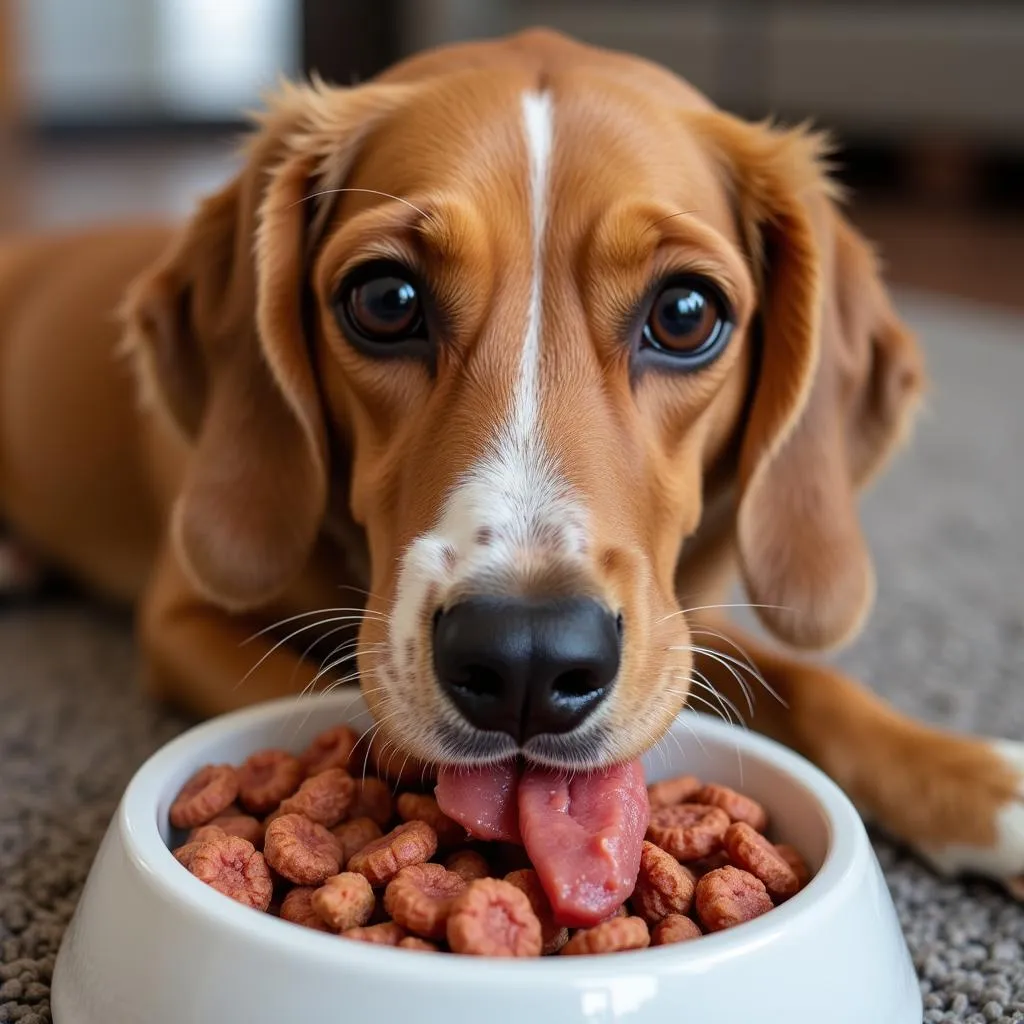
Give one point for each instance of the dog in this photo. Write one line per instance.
(529, 351)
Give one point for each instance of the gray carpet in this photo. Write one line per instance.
(946, 643)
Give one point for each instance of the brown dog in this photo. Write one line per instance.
(536, 348)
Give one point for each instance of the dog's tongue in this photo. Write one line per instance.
(482, 800)
(584, 835)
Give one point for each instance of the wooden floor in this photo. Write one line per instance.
(973, 255)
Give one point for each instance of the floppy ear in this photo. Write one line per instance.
(837, 380)
(216, 330)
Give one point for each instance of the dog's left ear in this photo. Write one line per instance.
(837, 379)
(216, 329)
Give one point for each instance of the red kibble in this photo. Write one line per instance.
(208, 793)
(266, 778)
(331, 749)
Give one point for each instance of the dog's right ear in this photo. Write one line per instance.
(838, 380)
(216, 332)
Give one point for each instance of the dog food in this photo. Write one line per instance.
(492, 917)
(322, 798)
(675, 928)
(663, 886)
(468, 865)
(553, 935)
(412, 843)
(420, 898)
(614, 936)
(297, 907)
(234, 823)
(234, 867)
(317, 847)
(355, 834)
(211, 791)
(729, 896)
(267, 778)
(331, 749)
(345, 901)
(749, 850)
(688, 831)
(301, 850)
(673, 791)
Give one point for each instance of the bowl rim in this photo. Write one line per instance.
(137, 824)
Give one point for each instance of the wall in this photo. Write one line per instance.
(110, 60)
(883, 68)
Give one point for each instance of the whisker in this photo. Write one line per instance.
(306, 653)
(357, 612)
(291, 636)
(360, 590)
(680, 695)
(309, 691)
(728, 659)
(370, 191)
(702, 680)
(370, 736)
(372, 730)
(705, 683)
(671, 216)
(714, 709)
(751, 665)
(337, 663)
(299, 725)
(710, 607)
(401, 771)
(337, 648)
(681, 719)
(326, 667)
(310, 687)
(740, 681)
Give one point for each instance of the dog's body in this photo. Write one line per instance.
(219, 454)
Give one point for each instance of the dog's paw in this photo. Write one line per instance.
(984, 823)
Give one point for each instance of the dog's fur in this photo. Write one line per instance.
(221, 456)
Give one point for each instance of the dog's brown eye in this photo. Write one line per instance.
(380, 309)
(384, 308)
(688, 321)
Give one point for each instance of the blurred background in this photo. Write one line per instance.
(122, 108)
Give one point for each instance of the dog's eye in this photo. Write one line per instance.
(689, 321)
(380, 304)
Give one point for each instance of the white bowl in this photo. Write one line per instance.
(150, 944)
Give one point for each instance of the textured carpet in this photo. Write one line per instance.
(946, 643)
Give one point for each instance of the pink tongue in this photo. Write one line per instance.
(483, 800)
(584, 835)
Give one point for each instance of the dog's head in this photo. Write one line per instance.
(518, 311)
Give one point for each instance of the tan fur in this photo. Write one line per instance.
(225, 459)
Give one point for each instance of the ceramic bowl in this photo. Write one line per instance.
(150, 944)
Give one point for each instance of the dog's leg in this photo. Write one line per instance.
(208, 661)
(958, 800)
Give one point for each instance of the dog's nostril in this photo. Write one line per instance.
(620, 624)
(575, 685)
(478, 681)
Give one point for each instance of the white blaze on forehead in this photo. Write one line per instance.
(514, 494)
(538, 122)
(516, 491)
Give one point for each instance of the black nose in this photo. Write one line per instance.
(526, 667)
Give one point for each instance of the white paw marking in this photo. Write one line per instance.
(1004, 859)
(1013, 754)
